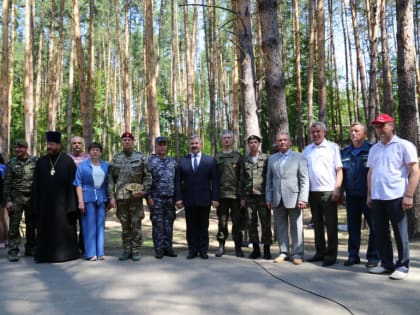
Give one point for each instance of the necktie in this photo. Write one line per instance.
(282, 162)
(195, 163)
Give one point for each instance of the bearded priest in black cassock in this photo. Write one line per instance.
(55, 204)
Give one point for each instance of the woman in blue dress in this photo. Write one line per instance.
(90, 182)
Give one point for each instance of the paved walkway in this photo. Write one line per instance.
(226, 285)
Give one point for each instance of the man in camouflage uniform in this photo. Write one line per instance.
(17, 192)
(129, 180)
(228, 163)
(161, 199)
(252, 189)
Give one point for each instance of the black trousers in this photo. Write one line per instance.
(197, 219)
(324, 213)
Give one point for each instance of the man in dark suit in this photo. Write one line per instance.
(196, 189)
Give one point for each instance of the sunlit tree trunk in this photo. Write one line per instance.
(211, 58)
(298, 80)
(90, 75)
(190, 27)
(151, 92)
(311, 49)
(407, 109)
(174, 72)
(29, 74)
(4, 82)
(386, 64)
(373, 20)
(38, 84)
(12, 68)
(247, 76)
(347, 60)
(69, 113)
(84, 106)
(359, 57)
(322, 89)
(126, 68)
(274, 75)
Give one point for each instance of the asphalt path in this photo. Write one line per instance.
(226, 285)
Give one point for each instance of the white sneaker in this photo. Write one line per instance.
(379, 270)
(399, 273)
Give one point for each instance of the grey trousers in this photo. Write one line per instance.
(283, 219)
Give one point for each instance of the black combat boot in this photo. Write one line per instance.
(238, 250)
(256, 252)
(267, 254)
(221, 249)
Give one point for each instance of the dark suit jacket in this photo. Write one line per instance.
(197, 188)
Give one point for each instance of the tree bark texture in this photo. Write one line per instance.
(246, 58)
(407, 109)
(274, 76)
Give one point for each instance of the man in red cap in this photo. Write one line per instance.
(129, 180)
(392, 180)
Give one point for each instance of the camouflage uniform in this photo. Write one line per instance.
(162, 213)
(126, 168)
(252, 189)
(228, 165)
(17, 189)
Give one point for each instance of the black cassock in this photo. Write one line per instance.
(55, 209)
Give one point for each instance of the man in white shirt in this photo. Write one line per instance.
(392, 180)
(325, 178)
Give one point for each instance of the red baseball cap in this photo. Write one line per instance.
(382, 119)
(127, 135)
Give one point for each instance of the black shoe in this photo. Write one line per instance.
(191, 255)
(351, 261)
(238, 250)
(315, 257)
(329, 262)
(372, 264)
(204, 256)
(158, 254)
(170, 253)
(256, 253)
(267, 254)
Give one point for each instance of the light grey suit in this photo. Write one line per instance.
(286, 185)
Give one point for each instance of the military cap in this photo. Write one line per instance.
(21, 143)
(53, 136)
(127, 135)
(253, 137)
(161, 139)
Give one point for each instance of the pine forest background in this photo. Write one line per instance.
(98, 68)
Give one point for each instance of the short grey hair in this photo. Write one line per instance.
(283, 133)
(358, 123)
(195, 136)
(320, 125)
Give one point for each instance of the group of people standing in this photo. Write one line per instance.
(58, 189)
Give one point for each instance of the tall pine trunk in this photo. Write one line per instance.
(407, 109)
(274, 76)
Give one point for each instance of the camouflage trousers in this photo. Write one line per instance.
(130, 213)
(256, 207)
(225, 205)
(162, 215)
(19, 207)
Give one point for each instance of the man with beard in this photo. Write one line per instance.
(55, 204)
(79, 155)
